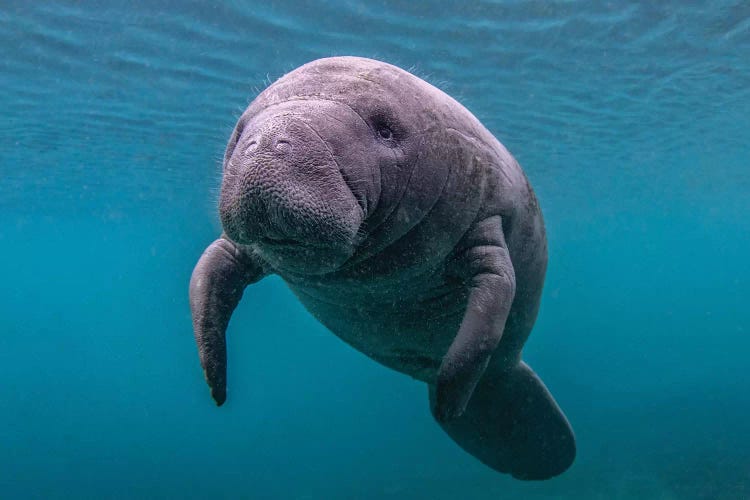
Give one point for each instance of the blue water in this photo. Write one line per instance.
(631, 119)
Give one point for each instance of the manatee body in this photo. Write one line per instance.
(405, 228)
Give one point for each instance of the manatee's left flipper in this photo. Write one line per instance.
(485, 263)
(216, 286)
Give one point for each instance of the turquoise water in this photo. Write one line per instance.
(631, 120)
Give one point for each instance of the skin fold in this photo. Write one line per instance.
(409, 231)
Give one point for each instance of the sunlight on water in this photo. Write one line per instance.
(631, 119)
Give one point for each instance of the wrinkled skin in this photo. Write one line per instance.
(408, 230)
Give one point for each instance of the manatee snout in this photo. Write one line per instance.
(284, 191)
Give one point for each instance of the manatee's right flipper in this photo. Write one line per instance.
(513, 425)
(219, 278)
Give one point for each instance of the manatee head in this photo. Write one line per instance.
(320, 158)
(288, 193)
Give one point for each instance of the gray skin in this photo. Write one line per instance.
(405, 228)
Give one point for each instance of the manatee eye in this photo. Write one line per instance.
(385, 133)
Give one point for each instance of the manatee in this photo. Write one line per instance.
(408, 230)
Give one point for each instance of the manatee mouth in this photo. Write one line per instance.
(284, 242)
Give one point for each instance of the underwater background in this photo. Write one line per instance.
(631, 119)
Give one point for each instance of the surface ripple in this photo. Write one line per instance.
(135, 103)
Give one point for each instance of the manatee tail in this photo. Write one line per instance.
(513, 425)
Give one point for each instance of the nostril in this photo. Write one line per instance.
(283, 146)
(251, 146)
